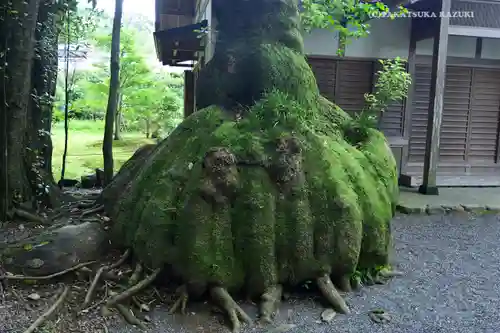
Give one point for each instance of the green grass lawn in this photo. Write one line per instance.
(85, 148)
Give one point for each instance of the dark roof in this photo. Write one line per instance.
(486, 15)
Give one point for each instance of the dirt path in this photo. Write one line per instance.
(451, 264)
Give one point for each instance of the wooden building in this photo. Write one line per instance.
(446, 133)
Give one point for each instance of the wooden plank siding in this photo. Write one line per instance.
(346, 81)
(484, 121)
(470, 124)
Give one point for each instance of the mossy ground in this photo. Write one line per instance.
(301, 199)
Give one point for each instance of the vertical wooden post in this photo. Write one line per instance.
(438, 81)
(408, 108)
(189, 93)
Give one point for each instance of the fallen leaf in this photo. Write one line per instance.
(328, 315)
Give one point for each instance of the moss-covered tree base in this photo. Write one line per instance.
(277, 197)
(267, 186)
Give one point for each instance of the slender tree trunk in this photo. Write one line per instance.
(107, 146)
(118, 119)
(148, 128)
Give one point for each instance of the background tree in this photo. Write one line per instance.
(133, 69)
(114, 86)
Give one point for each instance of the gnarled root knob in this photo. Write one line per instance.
(270, 301)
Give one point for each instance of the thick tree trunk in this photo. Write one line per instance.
(26, 175)
(237, 73)
(44, 84)
(107, 146)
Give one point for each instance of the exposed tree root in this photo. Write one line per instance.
(331, 294)
(46, 277)
(270, 301)
(49, 312)
(181, 302)
(387, 273)
(133, 290)
(222, 298)
(88, 297)
(86, 204)
(94, 210)
(127, 314)
(29, 216)
(136, 275)
(344, 284)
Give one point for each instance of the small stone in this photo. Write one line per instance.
(147, 318)
(435, 210)
(33, 297)
(379, 316)
(35, 263)
(474, 208)
(106, 219)
(145, 308)
(493, 209)
(328, 315)
(21, 227)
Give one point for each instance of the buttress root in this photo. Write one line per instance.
(222, 298)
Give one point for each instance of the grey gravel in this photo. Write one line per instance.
(451, 265)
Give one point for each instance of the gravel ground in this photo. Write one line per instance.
(451, 264)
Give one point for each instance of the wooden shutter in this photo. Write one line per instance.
(485, 110)
(353, 81)
(420, 106)
(325, 71)
(392, 118)
(456, 104)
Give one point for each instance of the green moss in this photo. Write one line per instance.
(309, 199)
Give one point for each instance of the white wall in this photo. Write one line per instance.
(491, 48)
(387, 39)
(390, 39)
(321, 42)
(375, 45)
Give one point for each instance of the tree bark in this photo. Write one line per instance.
(107, 146)
(26, 175)
(44, 84)
(236, 74)
(148, 126)
(118, 119)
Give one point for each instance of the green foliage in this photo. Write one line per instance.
(148, 101)
(393, 82)
(348, 17)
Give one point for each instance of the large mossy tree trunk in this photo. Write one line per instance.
(26, 176)
(268, 184)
